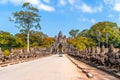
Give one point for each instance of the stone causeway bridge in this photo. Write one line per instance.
(93, 63)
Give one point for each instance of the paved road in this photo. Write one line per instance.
(48, 68)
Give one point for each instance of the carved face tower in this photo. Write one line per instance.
(60, 37)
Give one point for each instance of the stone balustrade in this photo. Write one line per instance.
(21, 55)
(100, 56)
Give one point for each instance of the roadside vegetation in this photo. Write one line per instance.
(19, 40)
(101, 33)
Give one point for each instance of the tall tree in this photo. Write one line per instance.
(27, 19)
(73, 32)
(109, 33)
(83, 33)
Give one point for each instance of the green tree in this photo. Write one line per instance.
(20, 39)
(6, 52)
(6, 40)
(101, 33)
(27, 19)
(73, 33)
(81, 42)
(109, 32)
(83, 33)
(47, 41)
(36, 38)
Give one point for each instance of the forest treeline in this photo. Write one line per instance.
(19, 40)
(101, 33)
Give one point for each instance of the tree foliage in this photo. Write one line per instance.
(81, 42)
(47, 41)
(27, 19)
(104, 32)
(6, 52)
(6, 40)
(108, 31)
(73, 32)
(37, 39)
(83, 33)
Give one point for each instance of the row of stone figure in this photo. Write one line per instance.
(20, 54)
(109, 58)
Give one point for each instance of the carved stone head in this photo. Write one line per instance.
(102, 48)
(111, 48)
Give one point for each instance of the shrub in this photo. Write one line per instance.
(6, 52)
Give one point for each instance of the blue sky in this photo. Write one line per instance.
(63, 15)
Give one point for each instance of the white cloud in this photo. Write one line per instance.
(109, 1)
(62, 2)
(114, 3)
(72, 2)
(36, 3)
(88, 20)
(47, 1)
(88, 9)
(93, 20)
(46, 7)
(117, 7)
(80, 5)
